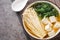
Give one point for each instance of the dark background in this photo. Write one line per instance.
(11, 27)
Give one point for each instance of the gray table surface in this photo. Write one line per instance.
(11, 27)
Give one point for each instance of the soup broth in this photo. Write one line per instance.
(46, 10)
(42, 17)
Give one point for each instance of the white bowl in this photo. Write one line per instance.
(27, 29)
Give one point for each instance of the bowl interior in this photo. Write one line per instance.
(27, 30)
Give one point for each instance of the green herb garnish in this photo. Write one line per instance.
(45, 10)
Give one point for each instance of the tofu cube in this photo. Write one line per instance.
(52, 33)
(48, 28)
(52, 19)
(57, 25)
(45, 21)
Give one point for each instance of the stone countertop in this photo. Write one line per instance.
(11, 27)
